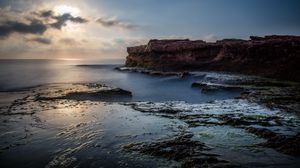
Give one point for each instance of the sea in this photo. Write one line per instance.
(18, 74)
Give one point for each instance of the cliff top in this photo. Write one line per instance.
(174, 45)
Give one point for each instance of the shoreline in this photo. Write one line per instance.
(171, 126)
(94, 120)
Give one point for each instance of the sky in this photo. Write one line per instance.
(96, 29)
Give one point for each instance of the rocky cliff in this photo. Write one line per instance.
(271, 56)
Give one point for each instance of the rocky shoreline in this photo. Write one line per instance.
(92, 116)
(273, 93)
(270, 56)
(95, 119)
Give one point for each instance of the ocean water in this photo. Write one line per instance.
(20, 74)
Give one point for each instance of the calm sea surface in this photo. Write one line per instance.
(19, 74)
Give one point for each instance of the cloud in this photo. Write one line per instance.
(78, 20)
(113, 22)
(46, 13)
(39, 22)
(69, 41)
(62, 19)
(35, 27)
(42, 40)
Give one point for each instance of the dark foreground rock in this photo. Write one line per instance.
(208, 86)
(183, 149)
(270, 56)
(41, 97)
(286, 144)
(114, 94)
(153, 72)
(285, 98)
(90, 91)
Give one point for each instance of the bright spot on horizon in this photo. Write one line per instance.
(62, 9)
(69, 59)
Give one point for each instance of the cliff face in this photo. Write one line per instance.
(270, 56)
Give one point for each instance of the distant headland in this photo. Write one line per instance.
(276, 56)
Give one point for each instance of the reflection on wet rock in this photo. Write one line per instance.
(238, 113)
(61, 96)
(188, 152)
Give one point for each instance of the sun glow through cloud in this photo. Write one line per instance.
(62, 9)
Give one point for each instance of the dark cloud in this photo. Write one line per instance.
(107, 22)
(39, 22)
(35, 27)
(78, 20)
(62, 19)
(41, 40)
(47, 13)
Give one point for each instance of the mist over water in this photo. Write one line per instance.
(19, 74)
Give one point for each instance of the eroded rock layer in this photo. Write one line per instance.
(271, 56)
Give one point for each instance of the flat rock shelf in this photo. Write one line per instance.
(92, 125)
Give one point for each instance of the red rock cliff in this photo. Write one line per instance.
(270, 56)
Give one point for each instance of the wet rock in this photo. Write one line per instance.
(53, 96)
(236, 120)
(93, 92)
(183, 149)
(207, 86)
(18, 107)
(105, 95)
(241, 120)
(261, 132)
(272, 93)
(209, 162)
(232, 81)
(285, 98)
(166, 107)
(236, 113)
(286, 144)
(154, 72)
